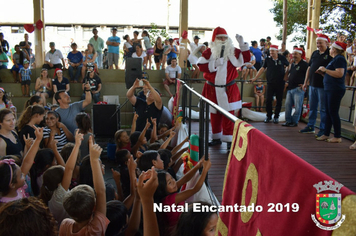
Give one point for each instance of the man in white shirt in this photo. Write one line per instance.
(173, 71)
(53, 58)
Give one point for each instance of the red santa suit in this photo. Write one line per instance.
(220, 86)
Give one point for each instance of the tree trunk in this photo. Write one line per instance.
(284, 37)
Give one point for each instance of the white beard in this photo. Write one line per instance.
(216, 48)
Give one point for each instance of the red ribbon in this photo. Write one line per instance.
(31, 27)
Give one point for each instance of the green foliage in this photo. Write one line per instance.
(336, 16)
(154, 33)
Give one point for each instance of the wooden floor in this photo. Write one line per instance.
(334, 159)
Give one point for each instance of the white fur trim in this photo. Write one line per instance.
(298, 51)
(237, 62)
(321, 38)
(220, 79)
(192, 59)
(334, 45)
(221, 35)
(202, 60)
(273, 49)
(217, 135)
(226, 138)
(235, 105)
(212, 66)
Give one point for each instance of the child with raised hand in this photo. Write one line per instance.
(133, 199)
(44, 159)
(138, 140)
(12, 177)
(146, 190)
(56, 182)
(80, 203)
(168, 193)
(84, 125)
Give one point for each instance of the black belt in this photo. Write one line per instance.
(221, 86)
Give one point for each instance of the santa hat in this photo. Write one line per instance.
(273, 47)
(219, 32)
(340, 45)
(301, 51)
(323, 37)
(2, 89)
(58, 70)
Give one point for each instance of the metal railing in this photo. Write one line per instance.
(204, 105)
(350, 120)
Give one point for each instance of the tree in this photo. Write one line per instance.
(154, 33)
(336, 16)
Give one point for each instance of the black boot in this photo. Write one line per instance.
(215, 142)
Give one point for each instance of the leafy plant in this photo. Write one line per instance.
(154, 33)
(336, 16)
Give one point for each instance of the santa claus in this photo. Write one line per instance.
(219, 63)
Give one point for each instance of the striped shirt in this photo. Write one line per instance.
(60, 138)
(25, 74)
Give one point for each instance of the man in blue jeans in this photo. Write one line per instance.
(295, 93)
(75, 60)
(319, 58)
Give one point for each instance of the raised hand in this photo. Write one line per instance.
(115, 175)
(94, 149)
(135, 116)
(78, 137)
(240, 39)
(28, 141)
(146, 189)
(38, 132)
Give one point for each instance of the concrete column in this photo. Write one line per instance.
(183, 25)
(39, 49)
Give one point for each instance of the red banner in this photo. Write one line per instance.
(271, 191)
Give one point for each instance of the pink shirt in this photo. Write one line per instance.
(172, 217)
(21, 193)
(127, 147)
(96, 227)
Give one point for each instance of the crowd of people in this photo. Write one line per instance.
(50, 163)
(51, 172)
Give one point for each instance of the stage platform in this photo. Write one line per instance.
(334, 159)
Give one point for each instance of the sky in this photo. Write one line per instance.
(252, 19)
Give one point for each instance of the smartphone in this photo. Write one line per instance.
(140, 83)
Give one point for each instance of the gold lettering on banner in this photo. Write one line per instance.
(222, 229)
(258, 233)
(348, 208)
(240, 152)
(252, 175)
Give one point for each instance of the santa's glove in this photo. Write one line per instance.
(240, 40)
(219, 62)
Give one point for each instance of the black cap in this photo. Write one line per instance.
(114, 28)
(196, 37)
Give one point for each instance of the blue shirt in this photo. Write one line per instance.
(172, 54)
(25, 74)
(114, 49)
(332, 83)
(257, 52)
(68, 115)
(75, 57)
